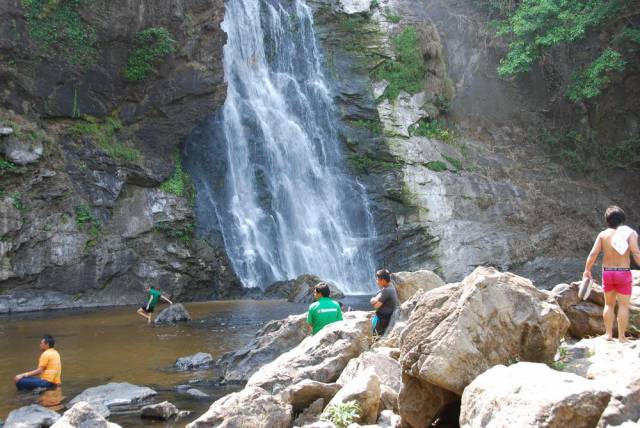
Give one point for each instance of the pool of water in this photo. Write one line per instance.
(116, 345)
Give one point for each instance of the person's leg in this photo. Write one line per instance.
(143, 313)
(608, 313)
(31, 382)
(381, 325)
(623, 316)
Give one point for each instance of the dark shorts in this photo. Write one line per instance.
(31, 382)
(144, 308)
(382, 324)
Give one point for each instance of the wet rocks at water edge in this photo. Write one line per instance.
(113, 395)
(200, 360)
(300, 290)
(162, 411)
(33, 416)
(83, 415)
(173, 314)
(271, 341)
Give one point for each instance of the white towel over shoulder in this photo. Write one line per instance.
(620, 240)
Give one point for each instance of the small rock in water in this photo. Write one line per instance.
(162, 411)
(173, 314)
(196, 393)
(195, 361)
(33, 416)
(114, 394)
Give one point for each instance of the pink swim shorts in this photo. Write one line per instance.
(618, 280)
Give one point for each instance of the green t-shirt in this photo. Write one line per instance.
(155, 296)
(323, 312)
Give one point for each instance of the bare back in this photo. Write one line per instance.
(611, 258)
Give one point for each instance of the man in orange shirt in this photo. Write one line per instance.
(49, 371)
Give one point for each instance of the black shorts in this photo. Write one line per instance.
(144, 308)
(382, 324)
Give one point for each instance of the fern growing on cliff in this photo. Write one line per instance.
(151, 45)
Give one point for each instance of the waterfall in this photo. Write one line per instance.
(270, 167)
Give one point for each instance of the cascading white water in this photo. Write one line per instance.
(287, 205)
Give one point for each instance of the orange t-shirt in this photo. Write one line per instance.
(50, 364)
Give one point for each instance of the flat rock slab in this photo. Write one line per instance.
(33, 416)
(195, 361)
(114, 394)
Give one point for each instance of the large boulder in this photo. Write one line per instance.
(586, 315)
(623, 406)
(173, 314)
(161, 411)
(320, 357)
(364, 389)
(252, 407)
(409, 283)
(196, 361)
(530, 394)
(274, 339)
(83, 415)
(302, 394)
(457, 332)
(300, 290)
(33, 416)
(114, 394)
(387, 369)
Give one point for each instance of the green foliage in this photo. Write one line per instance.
(105, 135)
(406, 72)
(151, 45)
(58, 25)
(539, 25)
(437, 129)
(375, 126)
(179, 183)
(442, 103)
(590, 82)
(374, 4)
(455, 163)
(5, 164)
(436, 166)
(365, 164)
(626, 153)
(84, 214)
(90, 224)
(394, 19)
(17, 200)
(184, 234)
(342, 414)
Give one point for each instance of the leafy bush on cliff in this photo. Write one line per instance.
(105, 135)
(151, 45)
(534, 27)
(57, 25)
(406, 72)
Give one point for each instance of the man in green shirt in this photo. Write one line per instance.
(323, 311)
(154, 296)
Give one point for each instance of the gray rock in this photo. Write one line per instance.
(5, 131)
(173, 314)
(407, 284)
(271, 341)
(387, 369)
(321, 357)
(311, 414)
(504, 396)
(302, 394)
(22, 152)
(251, 407)
(33, 416)
(194, 392)
(162, 411)
(623, 406)
(388, 419)
(300, 290)
(83, 415)
(10, 217)
(364, 389)
(114, 394)
(195, 361)
(351, 7)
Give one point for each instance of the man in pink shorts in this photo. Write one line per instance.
(618, 243)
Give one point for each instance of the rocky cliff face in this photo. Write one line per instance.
(480, 189)
(86, 217)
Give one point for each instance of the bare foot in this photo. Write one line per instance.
(623, 340)
(607, 337)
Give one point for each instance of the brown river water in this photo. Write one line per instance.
(116, 345)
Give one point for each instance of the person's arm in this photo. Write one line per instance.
(41, 366)
(593, 255)
(166, 299)
(149, 301)
(379, 299)
(633, 247)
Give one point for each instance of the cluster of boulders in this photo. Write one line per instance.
(492, 350)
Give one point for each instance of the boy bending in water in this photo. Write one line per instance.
(154, 296)
(618, 243)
